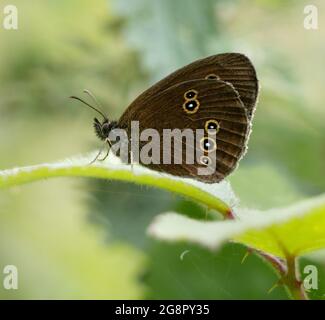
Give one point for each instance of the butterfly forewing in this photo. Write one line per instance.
(234, 68)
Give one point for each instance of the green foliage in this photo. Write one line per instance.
(205, 274)
(285, 233)
(290, 231)
(218, 196)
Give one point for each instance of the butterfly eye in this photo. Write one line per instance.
(208, 144)
(105, 129)
(212, 126)
(212, 76)
(191, 106)
(205, 160)
(190, 94)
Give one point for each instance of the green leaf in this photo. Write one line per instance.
(294, 230)
(185, 271)
(215, 196)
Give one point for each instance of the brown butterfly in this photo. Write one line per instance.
(216, 93)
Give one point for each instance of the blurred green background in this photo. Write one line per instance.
(87, 239)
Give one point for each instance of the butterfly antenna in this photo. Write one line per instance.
(90, 106)
(92, 96)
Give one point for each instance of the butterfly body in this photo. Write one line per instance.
(217, 93)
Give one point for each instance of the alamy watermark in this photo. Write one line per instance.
(10, 17)
(167, 146)
(311, 277)
(10, 277)
(311, 17)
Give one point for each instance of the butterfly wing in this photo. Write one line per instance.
(234, 68)
(213, 100)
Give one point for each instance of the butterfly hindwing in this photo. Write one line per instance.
(208, 100)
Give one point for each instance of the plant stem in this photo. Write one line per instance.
(291, 280)
(288, 269)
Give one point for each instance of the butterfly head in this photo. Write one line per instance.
(103, 129)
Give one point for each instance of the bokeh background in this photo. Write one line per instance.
(76, 238)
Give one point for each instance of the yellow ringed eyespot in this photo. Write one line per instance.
(191, 106)
(190, 94)
(205, 160)
(212, 76)
(212, 126)
(208, 144)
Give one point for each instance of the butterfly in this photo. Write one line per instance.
(216, 94)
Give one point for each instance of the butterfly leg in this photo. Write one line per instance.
(108, 150)
(97, 156)
(106, 155)
(100, 152)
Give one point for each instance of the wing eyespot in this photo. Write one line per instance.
(212, 126)
(207, 144)
(190, 94)
(191, 106)
(205, 160)
(212, 76)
